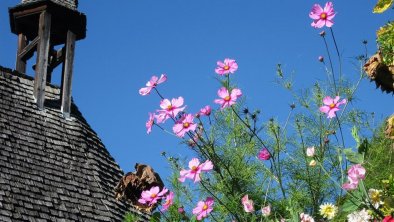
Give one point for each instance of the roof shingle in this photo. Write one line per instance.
(51, 169)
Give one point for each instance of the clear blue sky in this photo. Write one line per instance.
(128, 41)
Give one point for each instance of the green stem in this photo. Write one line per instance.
(338, 54)
(332, 68)
(220, 202)
(158, 93)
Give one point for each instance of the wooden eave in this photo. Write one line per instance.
(24, 19)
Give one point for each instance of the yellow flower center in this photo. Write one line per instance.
(186, 125)
(332, 105)
(375, 196)
(227, 98)
(153, 195)
(194, 168)
(169, 107)
(328, 210)
(323, 15)
(205, 207)
(226, 67)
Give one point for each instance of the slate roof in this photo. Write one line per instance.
(71, 4)
(51, 169)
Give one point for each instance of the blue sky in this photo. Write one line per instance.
(129, 41)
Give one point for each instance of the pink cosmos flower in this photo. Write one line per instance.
(248, 204)
(151, 196)
(264, 154)
(149, 123)
(226, 67)
(206, 111)
(350, 185)
(169, 109)
(354, 174)
(306, 218)
(310, 151)
(227, 99)
(331, 106)
(152, 83)
(203, 208)
(183, 125)
(195, 169)
(168, 203)
(322, 17)
(266, 211)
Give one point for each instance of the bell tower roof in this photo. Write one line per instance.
(71, 4)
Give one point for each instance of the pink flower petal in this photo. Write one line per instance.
(331, 113)
(162, 79)
(165, 103)
(328, 100)
(219, 101)
(223, 92)
(194, 163)
(319, 23)
(177, 102)
(206, 166)
(336, 99)
(152, 80)
(324, 109)
(314, 16)
(317, 9)
(236, 93)
(328, 7)
(145, 91)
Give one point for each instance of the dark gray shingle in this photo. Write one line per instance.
(51, 169)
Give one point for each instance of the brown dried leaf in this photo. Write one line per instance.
(379, 72)
(390, 127)
(132, 184)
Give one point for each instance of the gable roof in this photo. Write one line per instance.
(51, 169)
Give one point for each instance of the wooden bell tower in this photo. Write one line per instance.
(41, 25)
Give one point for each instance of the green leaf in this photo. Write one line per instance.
(382, 5)
(350, 206)
(353, 202)
(339, 155)
(130, 217)
(363, 147)
(355, 135)
(353, 157)
(279, 70)
(155, 217)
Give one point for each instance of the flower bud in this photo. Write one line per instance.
(312, 163)
(181, 210)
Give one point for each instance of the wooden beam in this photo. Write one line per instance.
(44, 32)
(28, 12)
(20, 65)
(68, 73)
(28, 51)
(57, 58)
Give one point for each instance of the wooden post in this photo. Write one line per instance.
(20, 65)
(44, 31)
(68, 73)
